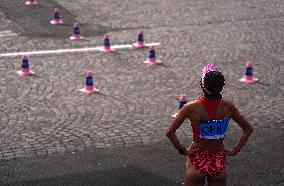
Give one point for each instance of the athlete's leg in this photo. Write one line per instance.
(193, 177)
(217, 180)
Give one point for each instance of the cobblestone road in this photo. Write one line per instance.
(46, 114)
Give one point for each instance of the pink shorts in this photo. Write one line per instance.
(209, 162)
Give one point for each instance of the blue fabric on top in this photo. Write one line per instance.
(213, 129)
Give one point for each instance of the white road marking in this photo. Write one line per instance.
(7, 33)
(74, 50)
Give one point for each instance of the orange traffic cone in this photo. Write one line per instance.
(25, 69)
(76, 33)
(107, 46)
(248, 78)
(152, 57)
(56, 17)
(140, 40)
(89, 86)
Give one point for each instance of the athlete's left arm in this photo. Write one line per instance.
(247, 130)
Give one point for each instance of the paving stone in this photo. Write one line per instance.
(136, 102)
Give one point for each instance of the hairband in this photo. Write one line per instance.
(207, 68)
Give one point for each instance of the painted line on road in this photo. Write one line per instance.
(74, 50)
(7, 33)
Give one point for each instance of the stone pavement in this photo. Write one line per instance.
(259, 163)
(45, 116)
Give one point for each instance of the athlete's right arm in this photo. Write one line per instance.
(246, 127)
(175, 124)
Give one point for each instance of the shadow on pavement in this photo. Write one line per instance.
(34, 21)
(117, 177)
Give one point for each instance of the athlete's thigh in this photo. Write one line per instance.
(193, 177)
(217, 180)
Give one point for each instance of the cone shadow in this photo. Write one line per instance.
(34, 21)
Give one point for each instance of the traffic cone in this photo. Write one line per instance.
(152, 57)
(140, 40)
(248, 78)
(76, 33)
(31, 2)
(182, 102)
(25, 69)
(107, 46)
(89, 86)
(56, 17)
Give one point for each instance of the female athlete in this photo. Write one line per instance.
(209, 116)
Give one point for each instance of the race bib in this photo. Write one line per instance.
(213, 129)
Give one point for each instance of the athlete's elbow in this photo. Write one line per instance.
(249, 130)
(169, 133)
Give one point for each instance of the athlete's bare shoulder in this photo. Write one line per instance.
(229, 105)
(227, 102)
(193, 104)
(193, 108)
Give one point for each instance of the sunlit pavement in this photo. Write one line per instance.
(52, 134)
